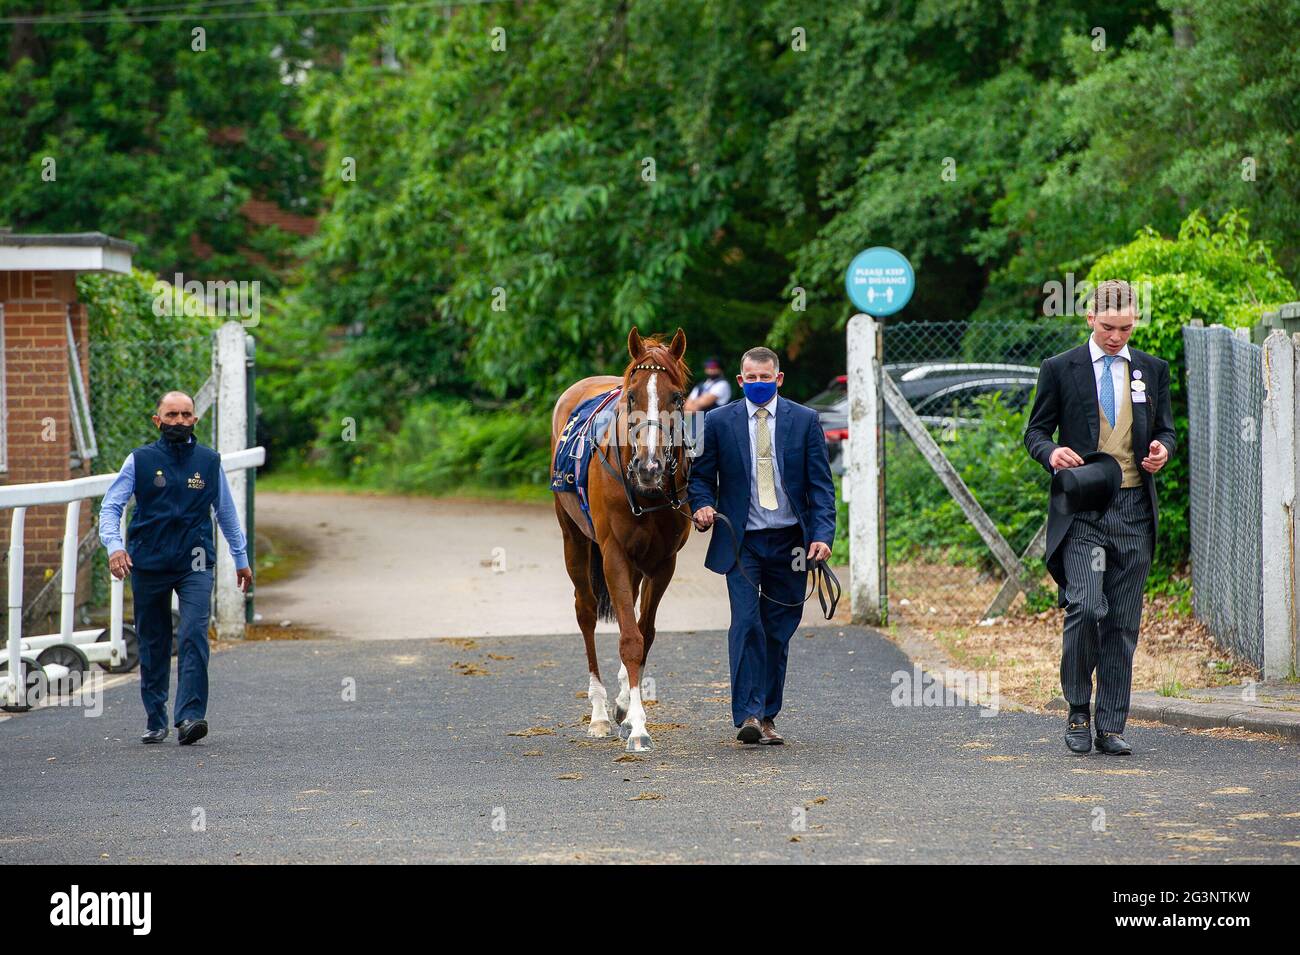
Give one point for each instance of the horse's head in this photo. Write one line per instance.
(654, 390)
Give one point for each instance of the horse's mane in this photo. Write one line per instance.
(657, 353)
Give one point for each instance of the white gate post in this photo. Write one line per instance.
(229, 373)
(864, 475)
(1277, 500)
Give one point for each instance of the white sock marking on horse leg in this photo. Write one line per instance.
(623, 690)
(599, 715)
(636, 714)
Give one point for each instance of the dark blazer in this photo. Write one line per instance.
(1066, 400)
(720, 475)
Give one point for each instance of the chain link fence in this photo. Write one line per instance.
(971, 384)
(1225, 392)
(908, 344)
(126, 380)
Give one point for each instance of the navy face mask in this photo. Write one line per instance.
(759, 392)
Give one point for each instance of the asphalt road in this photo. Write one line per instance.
(422, 767)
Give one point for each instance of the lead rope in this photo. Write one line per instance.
(824, 582)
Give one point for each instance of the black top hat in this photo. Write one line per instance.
(1089, 487)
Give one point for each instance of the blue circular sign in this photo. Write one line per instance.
(880, 281)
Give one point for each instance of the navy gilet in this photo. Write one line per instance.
(176, 488)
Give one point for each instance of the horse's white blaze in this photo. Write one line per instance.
(653, 413)
(636, 714)
(624, 693)
(599, 714)
(654, 397)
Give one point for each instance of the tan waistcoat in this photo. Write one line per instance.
(1118, 441)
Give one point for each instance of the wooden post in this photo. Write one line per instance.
(1277, 500)
(864, 474)
(228, 355)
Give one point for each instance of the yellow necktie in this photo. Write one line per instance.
(766, 475)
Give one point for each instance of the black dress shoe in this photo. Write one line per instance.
(1113, 744)
(750, 731)
(1078, 734)
(154, 736)
(191, 731)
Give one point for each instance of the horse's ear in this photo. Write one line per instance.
(678, 347)
(634, 346)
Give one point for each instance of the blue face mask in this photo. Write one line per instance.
(759, 392)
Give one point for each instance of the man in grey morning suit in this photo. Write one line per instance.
(1103, 396)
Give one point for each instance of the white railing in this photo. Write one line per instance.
(19, 497)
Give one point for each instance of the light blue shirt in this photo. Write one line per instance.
(759, 517)
(120, 491)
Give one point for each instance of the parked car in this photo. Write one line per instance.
(943, 394)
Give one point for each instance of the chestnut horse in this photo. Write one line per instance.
(637, 501)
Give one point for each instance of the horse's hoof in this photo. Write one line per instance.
(600, 729)
(624, 730)
(640, 744)
(620, 712)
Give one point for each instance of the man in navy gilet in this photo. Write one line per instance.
(177, 483)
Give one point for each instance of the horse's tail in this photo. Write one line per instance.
(604, 605)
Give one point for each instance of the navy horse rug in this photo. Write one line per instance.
(585, 429)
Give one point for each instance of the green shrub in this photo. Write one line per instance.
(448, 445)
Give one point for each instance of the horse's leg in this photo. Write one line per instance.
(623, 700)
(577, 559)
(652, 591)
(620, 576)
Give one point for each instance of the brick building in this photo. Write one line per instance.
(46, 432)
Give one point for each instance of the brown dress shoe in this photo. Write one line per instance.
(769, 734)
(749, 731)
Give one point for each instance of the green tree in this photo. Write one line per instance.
(153, 140)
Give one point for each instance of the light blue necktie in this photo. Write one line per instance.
(1108, 388)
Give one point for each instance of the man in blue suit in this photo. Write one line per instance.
(763, 464)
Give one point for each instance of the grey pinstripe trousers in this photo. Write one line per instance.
(1107, 558)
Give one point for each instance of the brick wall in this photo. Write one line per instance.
(39, 421)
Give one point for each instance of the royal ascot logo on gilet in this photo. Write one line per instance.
(195, 483)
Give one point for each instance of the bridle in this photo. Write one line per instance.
(675, 494)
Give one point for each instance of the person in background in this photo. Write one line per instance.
(713, 392)
(177, 483)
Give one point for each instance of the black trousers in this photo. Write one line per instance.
(1107, 559)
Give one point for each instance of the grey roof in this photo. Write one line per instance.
(88, 239)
